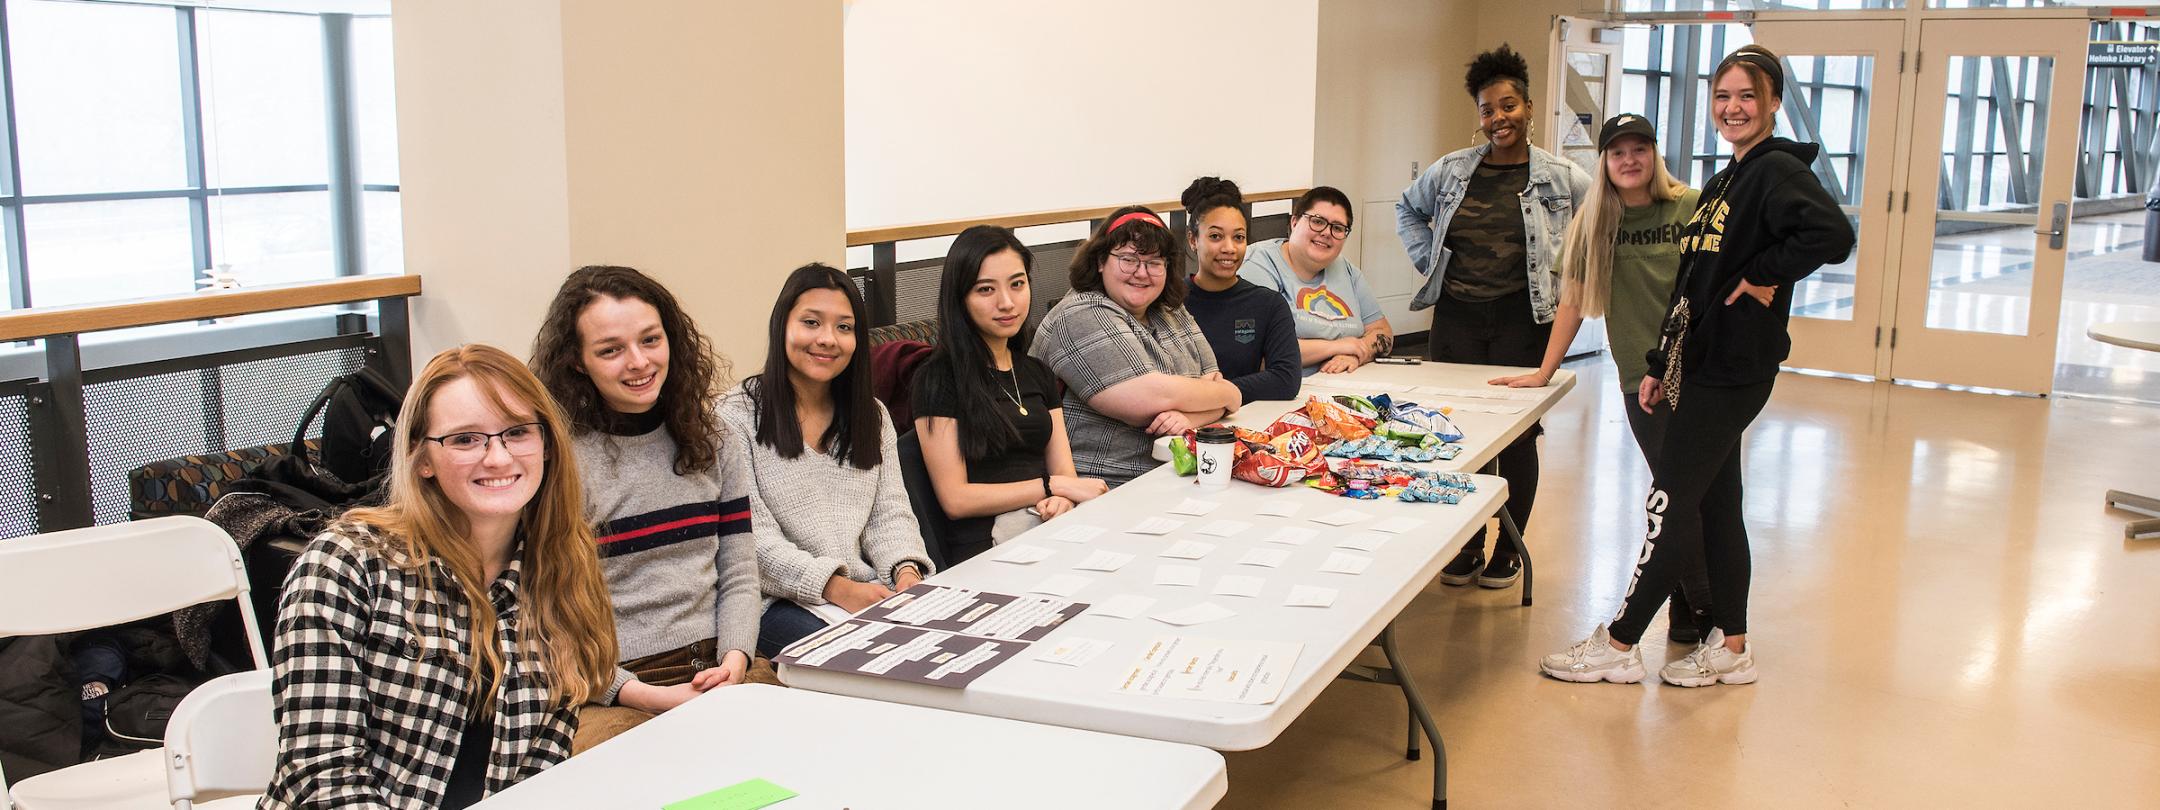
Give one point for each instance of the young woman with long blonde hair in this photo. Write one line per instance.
(434, 650)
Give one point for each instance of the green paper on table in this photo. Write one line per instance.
(749, 795)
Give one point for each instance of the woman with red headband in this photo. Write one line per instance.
(1134, 363)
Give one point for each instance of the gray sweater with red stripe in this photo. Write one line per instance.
(680, 561)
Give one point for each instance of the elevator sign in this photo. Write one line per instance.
(2122, 54)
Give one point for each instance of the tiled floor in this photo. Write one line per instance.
(1944, 613)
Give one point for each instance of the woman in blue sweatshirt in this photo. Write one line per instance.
(1248, 326)
(1764, 223)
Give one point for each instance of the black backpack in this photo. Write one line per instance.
(358, 413)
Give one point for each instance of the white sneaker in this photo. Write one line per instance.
(1711, 663)
(1593, 659)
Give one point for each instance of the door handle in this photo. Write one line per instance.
(2058, 226)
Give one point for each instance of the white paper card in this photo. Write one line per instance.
(1187, 550)
(1342, 517)
(1226, 528)
(1291, 536)
(1122, 606)
(1075, 533)
(1309, 596)
(1277, 507)
(1197, 614)
(1237, 585)
(1023, 555)
(1342, 563)
(1155, 525)
(1397, 525)
(1194, 507)
(1251, 672)
(1362, 541)
(1061, 585)
(1072, 652)
(1264, 557)
(1177, 575)
(1104, 560)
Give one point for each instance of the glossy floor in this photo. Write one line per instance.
(1945, 616)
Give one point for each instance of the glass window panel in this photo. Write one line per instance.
(262, 98)
(375, 96)
(272, 238)
(1980, 278)
(385, 231)
(80, 253)
(97, 97)
(1761, 5)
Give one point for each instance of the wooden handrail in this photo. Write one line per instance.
(929, 230)
(37, 322)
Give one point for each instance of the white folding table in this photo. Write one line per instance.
(2143, 335)
(841, 752)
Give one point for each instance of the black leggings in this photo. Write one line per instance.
(1649, 429)
(1695, 510)
(1499, 332)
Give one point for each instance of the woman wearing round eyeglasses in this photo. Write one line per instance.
(1339, 322)
(1134, 363)
(1484, 227)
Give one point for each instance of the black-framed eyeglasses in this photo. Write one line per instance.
(1134, 263)
(1319, 223)
(518, 440)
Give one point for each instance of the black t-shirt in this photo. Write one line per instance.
(468, 775)
(1485, 241)
(1025, 461)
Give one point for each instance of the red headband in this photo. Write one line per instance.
(1140, 215)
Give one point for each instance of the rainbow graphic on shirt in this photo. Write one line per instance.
(1322, 302)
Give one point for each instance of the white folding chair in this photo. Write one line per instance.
(81, 579)
(222, 740)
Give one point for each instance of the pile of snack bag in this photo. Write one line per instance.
(1365, 432)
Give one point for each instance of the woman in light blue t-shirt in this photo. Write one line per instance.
(1339, 323)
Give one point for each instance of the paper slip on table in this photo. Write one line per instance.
(2132, 335)
(1484, 434)
(920, 758)
(1085, 696)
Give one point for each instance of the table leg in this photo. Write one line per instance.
(2137, 529)
(1509, 530)
(1398, 674)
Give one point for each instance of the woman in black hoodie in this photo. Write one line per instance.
(1764, 223)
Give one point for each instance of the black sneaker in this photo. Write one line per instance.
(1684, 625)
(1464, 567)
(1501, 572)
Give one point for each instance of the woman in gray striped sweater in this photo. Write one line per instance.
(830, 514)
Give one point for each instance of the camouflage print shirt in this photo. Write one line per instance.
(1486, 235)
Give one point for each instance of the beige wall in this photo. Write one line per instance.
(698, 141)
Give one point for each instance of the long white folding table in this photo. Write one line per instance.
(839, 752)
(1085, 696)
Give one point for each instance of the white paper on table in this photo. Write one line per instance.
(1342, 517)
(1309, 596)
(1342, 563)
(1072, 652)
(1194, 507)
(1277, 507)
(1155, 525)
(1122, 606)
(1225, 528)
(1362, 541)
(1476, 407)
(1061, 585)
(1022, 555)
(1075, 533)
(1397, 525)
(1104, 560)
(1291, 536)
(1239, 585)
(1264, 557)
(831, 613)
(1197, 614)
(1186, 550)
(1498, 392)
(1177, 575)
(1210, 669)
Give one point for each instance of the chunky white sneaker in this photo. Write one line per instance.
(1593, 659)
(1711, 663)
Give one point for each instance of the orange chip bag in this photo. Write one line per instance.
(1337, 422)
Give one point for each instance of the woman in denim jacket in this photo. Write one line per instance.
(1484, 226)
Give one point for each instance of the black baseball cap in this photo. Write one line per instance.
(1625, 124)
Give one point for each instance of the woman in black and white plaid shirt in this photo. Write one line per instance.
(383, 698)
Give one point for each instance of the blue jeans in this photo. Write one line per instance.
(783, 624)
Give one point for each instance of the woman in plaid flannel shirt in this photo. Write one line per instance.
(382, 696)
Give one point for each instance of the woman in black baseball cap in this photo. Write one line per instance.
(1764, 223)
